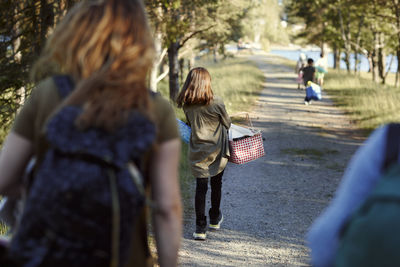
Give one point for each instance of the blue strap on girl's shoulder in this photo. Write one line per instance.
(65, 85)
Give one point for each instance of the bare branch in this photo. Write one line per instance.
(193, 34)
(163, 75)
(162, 55)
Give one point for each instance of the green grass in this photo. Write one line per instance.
(311, 153)
(368, 104)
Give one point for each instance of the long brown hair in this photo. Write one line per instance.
(197, 88)
(107, 48)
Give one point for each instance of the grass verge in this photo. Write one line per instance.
(368, 104)
(311, 153)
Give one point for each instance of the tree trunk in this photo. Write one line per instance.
(396, 83)
(215, 53)
(173, 50)
(191, 62)
(381, 59)
(156, 65)
(347, 60)
(21, 92)
(336, 58)
(346, 37)
(181, 65)
(397, 13)
(46, 21)
(369, 57)
(357, 44)
(355, 61)
(374, 54)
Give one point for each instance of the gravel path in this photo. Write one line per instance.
(268, 204)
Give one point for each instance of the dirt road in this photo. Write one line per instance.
(268, 204)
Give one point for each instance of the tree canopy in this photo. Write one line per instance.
(189, 24)
(369, 27)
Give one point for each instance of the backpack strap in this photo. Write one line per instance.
(64, 84)
(392, 146)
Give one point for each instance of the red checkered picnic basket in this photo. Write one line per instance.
(247, 148)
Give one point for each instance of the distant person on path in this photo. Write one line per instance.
(102, 51)
(321, 67)
(208, 147)
(360, 178)
(308, 75)
(301, 63)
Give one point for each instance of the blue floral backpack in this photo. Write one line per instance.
(86, 194)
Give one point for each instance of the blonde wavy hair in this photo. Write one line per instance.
(107, 49)
(197, 88)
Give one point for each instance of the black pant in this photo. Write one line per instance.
(200, 198)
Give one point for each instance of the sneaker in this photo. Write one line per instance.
(216, 224)
(200, 233)
(306, 103)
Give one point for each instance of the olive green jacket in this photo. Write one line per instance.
(209, 144)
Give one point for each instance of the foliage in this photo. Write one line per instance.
(370, 27)
(176, 21)
(262, 21)
(24, 27)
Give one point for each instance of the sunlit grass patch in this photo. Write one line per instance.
(369, 104)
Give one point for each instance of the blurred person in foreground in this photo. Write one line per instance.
(105, 50)
(378, 157)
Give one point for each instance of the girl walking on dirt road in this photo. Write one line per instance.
(209, 145)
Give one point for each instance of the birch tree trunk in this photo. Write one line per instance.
(156, 66)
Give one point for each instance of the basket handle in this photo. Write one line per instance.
(248, 119)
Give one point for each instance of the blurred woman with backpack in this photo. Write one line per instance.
(208, 147)
(104, 50)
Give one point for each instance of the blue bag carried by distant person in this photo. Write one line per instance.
(313, 91)
(184, 130)
(321, 69)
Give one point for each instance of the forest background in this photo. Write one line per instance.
(188, 30)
